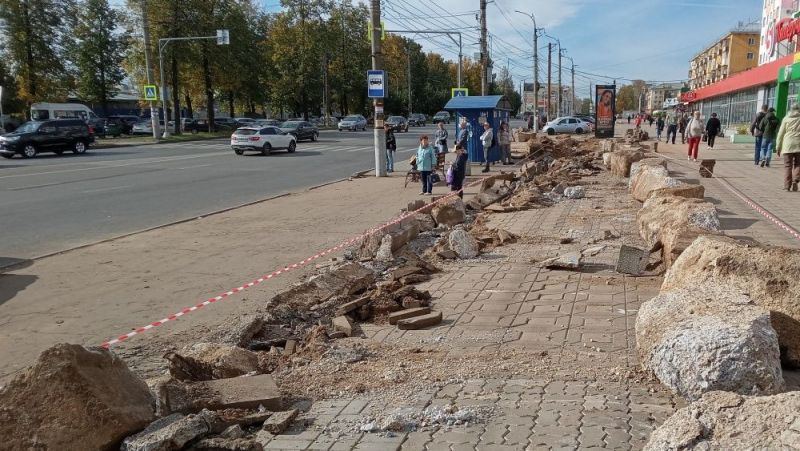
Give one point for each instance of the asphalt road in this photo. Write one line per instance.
(53, 203)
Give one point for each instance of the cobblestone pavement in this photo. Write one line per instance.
(581, 320)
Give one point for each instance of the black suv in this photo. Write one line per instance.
(55, 136)
(417, 119)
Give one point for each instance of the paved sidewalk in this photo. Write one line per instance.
(763, 185)
(590, 395)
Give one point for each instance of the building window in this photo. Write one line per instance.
(751, 41)
(749, 55)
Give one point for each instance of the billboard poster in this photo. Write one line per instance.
(605, 99)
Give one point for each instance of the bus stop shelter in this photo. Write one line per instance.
(477, 110)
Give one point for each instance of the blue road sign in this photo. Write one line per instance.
(376, 84)
(459, 92)
(150, 92)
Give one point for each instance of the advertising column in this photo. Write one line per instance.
(605, 99)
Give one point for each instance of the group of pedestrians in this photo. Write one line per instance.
(782, 136)
(428, 156)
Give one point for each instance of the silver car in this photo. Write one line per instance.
(567, 124)
(353, 123)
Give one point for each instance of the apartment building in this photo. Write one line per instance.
(735, 52)
(657, 94)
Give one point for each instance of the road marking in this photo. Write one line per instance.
(196, 166)
(22, 188)
(113, 188)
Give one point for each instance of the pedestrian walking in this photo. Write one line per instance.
(788, 145)
(659, 127)
(629, 119)
(440, 138)
(504, 139)
(755, 130)
(638, 121)
(426, 162)
(769, 127)
(694, 131)
(530, 121)
(650, 120)
(682, 126)
(672, 126)
(713, 127)
(391, 147)
(459, 168)
(463, 134)
(486, 141)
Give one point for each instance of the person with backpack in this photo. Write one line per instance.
(391, 148)
(488, 141)
(672, 126)
(713, 127)
(426, 163)
(458, 171)
(769, 128)
(755, 130)
(694, 130)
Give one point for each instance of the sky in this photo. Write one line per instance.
(624, 39)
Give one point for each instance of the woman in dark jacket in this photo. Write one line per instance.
(459, 171)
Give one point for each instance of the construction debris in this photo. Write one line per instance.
(280, 421)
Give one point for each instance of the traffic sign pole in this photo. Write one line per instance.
(377, 64)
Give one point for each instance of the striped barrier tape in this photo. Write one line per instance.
(276, 273)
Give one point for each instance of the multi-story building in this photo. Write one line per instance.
(773, 13)
(657, 94)
(568, 102)
(733, 53)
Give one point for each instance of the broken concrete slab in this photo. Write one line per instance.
(407, 270)
(244, 392)
(505, 236)
(425, 222)
(650, 178)
(280, 421)
(575, 192)
(170, 433)
(343, 324)
(570, 260)
(649, 161)
(592, 251)
(722, 420)
(709, 337)
(384, 252)
(348, 307)
(683, 190)
(74, 398)
(226, 444)
(447, 254)
(449, 212)
(770, 275)
(420, 322)
(408, 313)
(464, 245)
(621, 161)
(206, 361)
(290, 348)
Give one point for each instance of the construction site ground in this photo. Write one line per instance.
(526, 357)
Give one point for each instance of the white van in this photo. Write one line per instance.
(43, 111)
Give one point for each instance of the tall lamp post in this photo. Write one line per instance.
(222, 37)
(535, 70)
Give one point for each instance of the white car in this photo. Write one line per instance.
(352, 123)
(567, 124)
(262, 139)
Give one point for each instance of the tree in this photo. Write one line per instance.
(98, 52)
(11, 102)
(626, 99)
(586, 106)
(34, 43)
(505, 86)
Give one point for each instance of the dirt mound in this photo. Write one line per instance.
(74, 398)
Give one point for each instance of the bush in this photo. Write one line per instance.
(741, 130)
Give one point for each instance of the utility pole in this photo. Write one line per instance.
(535, 71)
(149, 71)
(484, 50)
(559, 80)
(572, 94)
(408, 59)
(377, 64)
(326, 95)
(549, 76)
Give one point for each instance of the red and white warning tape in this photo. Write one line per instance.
(276, 273)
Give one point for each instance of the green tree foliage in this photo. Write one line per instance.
(585, 106)
(34, 43)
(626, 99)
(11, 101)
(505, 86)
(97, 52)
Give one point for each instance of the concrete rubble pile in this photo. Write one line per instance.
(724, 321)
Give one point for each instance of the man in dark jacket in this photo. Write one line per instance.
(459, 171)
(391, 147)
(755, 130)
(769, 127)
(712, 129)
(463, 133)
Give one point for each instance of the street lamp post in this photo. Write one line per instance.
(535, 71)
(222, 37)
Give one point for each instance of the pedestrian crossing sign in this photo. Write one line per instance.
(459, 92)
(150, 92)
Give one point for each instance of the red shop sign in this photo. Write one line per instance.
(787, 28)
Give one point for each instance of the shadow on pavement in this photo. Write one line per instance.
(11, 284)
(736, 223)
(298, 153)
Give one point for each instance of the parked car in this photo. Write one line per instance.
(441, 116)
(267, 122)
(125, 121)
(353, 122)
(397, 123)
(262, 139)
(111, 128)
(225, 123)
(196, 126)
(417, 119)
(35, 137)
(244, 121)
(300, 130)
(145, 127)
(567, 124)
